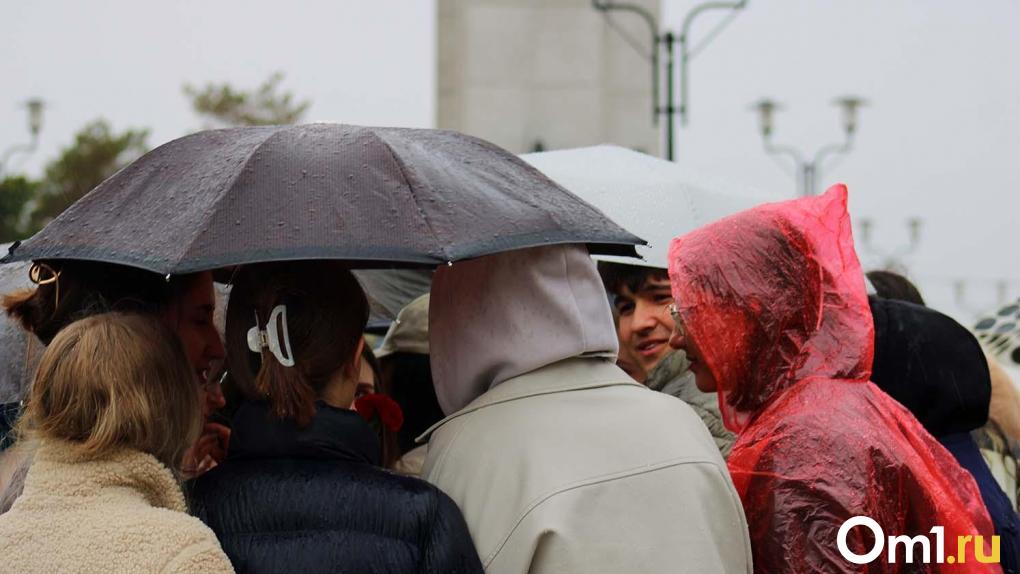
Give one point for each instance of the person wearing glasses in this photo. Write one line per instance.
(558, 459)
(773, 315)
(67, 291)
(111, 412)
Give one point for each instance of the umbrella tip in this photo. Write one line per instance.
(167, 277)
(449, 263)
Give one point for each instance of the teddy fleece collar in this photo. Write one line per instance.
(59, 469)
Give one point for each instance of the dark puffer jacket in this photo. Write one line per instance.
(313, 500)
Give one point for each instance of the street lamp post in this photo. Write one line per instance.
(669, 41)
(35, 107)
(894, 259)
(808, 170)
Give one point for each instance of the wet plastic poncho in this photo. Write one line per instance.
(773, 298)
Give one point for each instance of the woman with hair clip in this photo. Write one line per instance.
(70, 290)
(113, 409)
(301, 489)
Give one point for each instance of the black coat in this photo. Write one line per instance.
(935, 367)
(313, 500)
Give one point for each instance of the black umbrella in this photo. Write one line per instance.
(321, 191)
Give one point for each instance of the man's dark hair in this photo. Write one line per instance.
(892, 285)
(616, 276)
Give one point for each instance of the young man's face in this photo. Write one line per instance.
(645, 323)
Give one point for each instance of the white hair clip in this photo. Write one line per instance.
(259, 339)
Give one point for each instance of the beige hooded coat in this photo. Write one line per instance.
(124, 514)
(559, 461)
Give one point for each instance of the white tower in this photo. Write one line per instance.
(549, 73)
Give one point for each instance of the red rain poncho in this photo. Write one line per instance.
(773, 300)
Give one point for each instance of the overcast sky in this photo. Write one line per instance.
(940, 140)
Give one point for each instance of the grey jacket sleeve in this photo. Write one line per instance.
(671, 377)
(707, 407)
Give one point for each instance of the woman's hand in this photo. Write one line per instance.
(208, 450)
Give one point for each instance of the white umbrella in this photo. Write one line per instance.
(652, 198)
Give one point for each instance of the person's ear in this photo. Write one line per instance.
(355, 366)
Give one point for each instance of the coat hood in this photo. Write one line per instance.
(773, 296)
(932, 365)
(500, 316)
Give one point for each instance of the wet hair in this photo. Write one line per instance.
(326, 315)
(616, 276)
(114, 381)
(407, 378)
(72, 290)
(892, 285)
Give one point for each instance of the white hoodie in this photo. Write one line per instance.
(558, 460)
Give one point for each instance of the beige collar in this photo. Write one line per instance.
(572, 374)
(60, 470)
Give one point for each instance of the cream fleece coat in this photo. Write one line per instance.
(122, 514)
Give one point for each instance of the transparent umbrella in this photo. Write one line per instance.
(651, 197)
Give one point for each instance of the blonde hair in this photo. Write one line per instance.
(114, 381)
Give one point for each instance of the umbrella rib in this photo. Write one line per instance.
(211, 213)
(414, 198)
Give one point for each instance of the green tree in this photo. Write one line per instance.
(224, 105)
(96, 154)
(15, 193)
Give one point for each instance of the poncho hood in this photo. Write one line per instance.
(775, 295)
(500, 316)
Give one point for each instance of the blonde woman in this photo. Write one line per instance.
(113, 409)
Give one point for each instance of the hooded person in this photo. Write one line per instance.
(559, 461)
(935, 367)
(997, 438)
(773, 314)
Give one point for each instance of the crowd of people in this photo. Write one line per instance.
(535, 412)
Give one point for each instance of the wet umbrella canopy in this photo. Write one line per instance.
(371, 195)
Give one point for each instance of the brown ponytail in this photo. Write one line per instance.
(326, 315)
